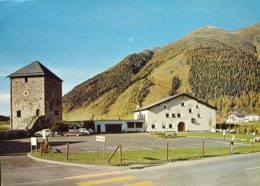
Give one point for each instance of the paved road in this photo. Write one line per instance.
(230, 170)
(18, 169)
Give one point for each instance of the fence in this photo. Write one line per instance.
(121, 154)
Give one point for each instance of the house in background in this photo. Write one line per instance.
(252, 118)
(235, 118)
(177, 113)
(36, 96)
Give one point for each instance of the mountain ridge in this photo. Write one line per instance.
(143, 78)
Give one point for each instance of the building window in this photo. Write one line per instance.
(56, 112)
(165, 106)
(183, 104)
(139, 125)
(26, 79)
(141, 116)
(190, 110)
(179, 115)
(170, 126)
(130, 125)
(167, 115)
(19, 114)
(25, 93)
(198, 106)
(163, 126)
(173, 115)
(153, 126)
(199, 115)
(193, 120)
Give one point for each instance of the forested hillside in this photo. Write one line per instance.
(218, 66)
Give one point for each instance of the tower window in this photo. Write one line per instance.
(19, 113)
(56, 112)
(26, 79)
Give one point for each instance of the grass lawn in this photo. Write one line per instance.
(219, 135)
(145, 156)
(4, 125)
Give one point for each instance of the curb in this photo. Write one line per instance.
(111, 168)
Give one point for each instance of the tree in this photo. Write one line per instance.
(176, 84)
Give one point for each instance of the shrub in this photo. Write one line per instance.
(15, 134)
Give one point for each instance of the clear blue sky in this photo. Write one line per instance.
(77, 39)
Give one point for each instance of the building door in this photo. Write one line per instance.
(114, 128)
(37, 112)
(181, 127)
(98, 128)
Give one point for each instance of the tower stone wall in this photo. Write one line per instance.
(53, 100)
(27, 100)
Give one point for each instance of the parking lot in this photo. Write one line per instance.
(129, 141)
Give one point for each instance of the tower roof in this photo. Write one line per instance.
(34, 69)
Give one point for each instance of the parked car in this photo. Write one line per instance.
(256, 139)
(76, 132)
(91, 130)
(48, 132)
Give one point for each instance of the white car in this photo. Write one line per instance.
(48, 132)
(83, 130)
(256, 139)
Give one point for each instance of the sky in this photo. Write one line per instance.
(78, 39)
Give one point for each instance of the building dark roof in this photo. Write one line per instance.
(238, 115)
(32, 70)
(170, 98)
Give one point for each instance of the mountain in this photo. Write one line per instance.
(218, 66)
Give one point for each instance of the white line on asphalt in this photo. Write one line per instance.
(160, 146)
(253, 168)
(111, 147)
(87, 150)
(186, 146)
(140, 148)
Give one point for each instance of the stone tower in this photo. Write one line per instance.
(36, 97)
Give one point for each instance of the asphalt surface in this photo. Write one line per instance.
(18, 169)
(129, 141)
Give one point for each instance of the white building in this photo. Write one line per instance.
(117, 126)
(235, 117)
(252, 118)
(177, 113)
(172, 114)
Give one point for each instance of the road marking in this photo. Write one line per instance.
(111, 147)
(141, 148)
(87, 150)
(159, 146)
(104, 181)
(188, 146)
(144, 183)
(253, 168)
(91, 175)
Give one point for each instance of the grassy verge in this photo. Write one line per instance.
(144, 156)
(216, 135)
